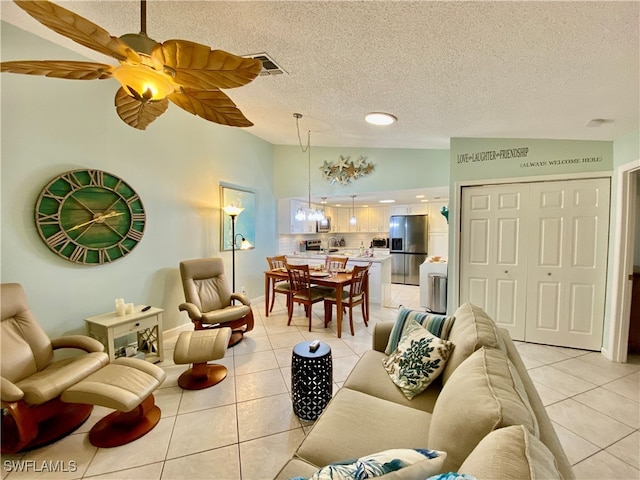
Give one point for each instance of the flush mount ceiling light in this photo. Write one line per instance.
(597, 122)
(380, 118)
(387, 201)
(150, 73)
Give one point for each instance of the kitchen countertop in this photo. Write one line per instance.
(377, 258)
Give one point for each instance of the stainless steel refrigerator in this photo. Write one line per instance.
(408, 247)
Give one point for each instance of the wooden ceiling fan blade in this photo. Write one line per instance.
(198, 67)
(79, 29)
(136, 113)
(59, 69)
(212, 105)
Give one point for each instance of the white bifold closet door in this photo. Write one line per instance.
(534, 256)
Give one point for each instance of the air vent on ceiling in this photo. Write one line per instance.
(269, 66)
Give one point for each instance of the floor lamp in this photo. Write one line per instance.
(233, 212)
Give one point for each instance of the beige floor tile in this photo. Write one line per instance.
(266, 416)
(283, 356)
(596, 358)
(575, 447)
(588, 423)
(588, 371)
(286, 340)
(548, 395)
(286, 375)
(203, 430)
(255, 362)
(223, 393)
(264, 457)
(65, 459)
(339, 348)
(530, 362)
(218, 464)
(560, 381)
(260, 384)
(602, 466)
(627, 449)
(251, 343)
(611, 404)
(628, 386)
(97, 414)
(168, 400)
(342, 367)
(151, 448)
(146, 472)
(541, 353)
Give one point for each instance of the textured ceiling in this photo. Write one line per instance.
(445, 69)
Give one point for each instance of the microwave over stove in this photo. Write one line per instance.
(324, 225)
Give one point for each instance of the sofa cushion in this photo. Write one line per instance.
(511, 452)
(472, 329)
(369, 376)
(418, 360)
(396, 463)
(483, 394)
(355, 424)
(439, 325)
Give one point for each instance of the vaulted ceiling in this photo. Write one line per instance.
(445, 69)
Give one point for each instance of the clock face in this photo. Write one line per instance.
(90, 217)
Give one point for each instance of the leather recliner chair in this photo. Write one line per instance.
(210, 302)
(32, 380)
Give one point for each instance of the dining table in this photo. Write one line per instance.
(335, 280)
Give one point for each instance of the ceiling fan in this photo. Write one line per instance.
(151, 73)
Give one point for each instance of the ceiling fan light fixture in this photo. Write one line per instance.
(143, 81)
(380, 118)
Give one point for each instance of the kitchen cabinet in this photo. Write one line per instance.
(413, 209)
(379, 219)
(343, 215)
(362, 220)
(287, 222)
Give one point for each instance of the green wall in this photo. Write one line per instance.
(395, 169)
(50, 126)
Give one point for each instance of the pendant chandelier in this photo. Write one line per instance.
(353, 219)
(307, 213)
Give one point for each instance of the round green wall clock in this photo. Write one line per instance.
(90, 217)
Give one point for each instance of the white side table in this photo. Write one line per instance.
(148, 325)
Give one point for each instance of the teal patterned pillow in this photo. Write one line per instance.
(417, 463)
(439, 325)
(418, 360)
(452, 476)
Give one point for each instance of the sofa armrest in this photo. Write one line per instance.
(81, 342)
(9, 391)
(380, 337)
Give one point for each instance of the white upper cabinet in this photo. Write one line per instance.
(413, 209)
(379, 219)
(287, 222)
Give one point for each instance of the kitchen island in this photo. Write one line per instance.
(379, 273)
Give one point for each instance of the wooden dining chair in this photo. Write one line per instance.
(351, 298)
(302, 291)
(278, 286)
(332, 264)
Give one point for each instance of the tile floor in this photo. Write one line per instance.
(244, 428)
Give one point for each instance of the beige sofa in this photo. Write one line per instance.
(483, 411)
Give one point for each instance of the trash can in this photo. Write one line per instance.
(438, 287)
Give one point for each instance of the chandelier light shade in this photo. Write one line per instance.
(307, 213)
(353, 219)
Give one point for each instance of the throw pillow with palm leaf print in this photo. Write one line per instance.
(418, 360)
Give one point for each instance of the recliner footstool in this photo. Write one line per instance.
(199, 347)
(126, 385)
